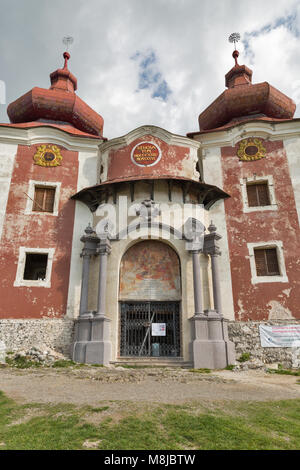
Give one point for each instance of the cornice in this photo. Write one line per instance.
(166, 136)
(266, 130)
(44, 134)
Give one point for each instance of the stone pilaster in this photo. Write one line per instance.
(92, 331)
(211, 347)
(90, 241)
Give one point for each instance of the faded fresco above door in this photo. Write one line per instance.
(150, 270)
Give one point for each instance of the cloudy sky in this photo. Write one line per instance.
(157, 62)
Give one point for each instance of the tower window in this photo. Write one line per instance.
(43, 199)
(258, 194)
(35, 266)
(266, 261)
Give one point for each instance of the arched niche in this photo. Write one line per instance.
(150, 270)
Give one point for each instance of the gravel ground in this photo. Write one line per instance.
(91, 385)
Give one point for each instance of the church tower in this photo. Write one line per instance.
(48, 152)
(250, 145)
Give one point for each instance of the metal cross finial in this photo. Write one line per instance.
(234, 37)
(68, 40)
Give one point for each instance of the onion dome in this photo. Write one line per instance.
(243, 101)
(58, 103)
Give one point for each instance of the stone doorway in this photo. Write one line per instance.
(150, 296)
(150, 329)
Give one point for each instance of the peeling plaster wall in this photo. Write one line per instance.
(37, 230)
(264, 300)
(177, 160)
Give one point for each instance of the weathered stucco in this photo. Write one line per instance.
(279, 227)
(37, 230)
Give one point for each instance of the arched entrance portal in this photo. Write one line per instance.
(150, 294)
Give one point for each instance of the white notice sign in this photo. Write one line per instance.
(158, 329)
(280, 336)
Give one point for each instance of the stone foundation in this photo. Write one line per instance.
(56, 334)
(246, 338)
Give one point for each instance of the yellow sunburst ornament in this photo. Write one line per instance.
(251, 149)
(47, 155)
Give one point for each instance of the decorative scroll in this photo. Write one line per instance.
(251, 149)
(47, 155)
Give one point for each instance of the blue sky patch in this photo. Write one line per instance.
(150, 77)
(289, 22)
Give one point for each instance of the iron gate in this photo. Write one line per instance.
(136, 321)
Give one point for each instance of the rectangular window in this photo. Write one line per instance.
(258, 194)
(43, 199)
(35, 266)
(266, 262)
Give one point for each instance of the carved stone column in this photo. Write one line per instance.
(198, 303)
(103, 250)
(193, 230)
(90, 241)
(92, 331)
(211, 347)
(212, 249)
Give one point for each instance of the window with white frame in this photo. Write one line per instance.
(267, 262)
(43, 197)
(258, 193)
(34, 267)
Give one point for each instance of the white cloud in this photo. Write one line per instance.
(188, 38)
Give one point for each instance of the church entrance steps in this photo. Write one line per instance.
(152, 361)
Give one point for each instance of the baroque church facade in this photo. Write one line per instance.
(150, 246)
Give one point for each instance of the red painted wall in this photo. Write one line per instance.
(120, 165)
(250, 301)
(37, 231)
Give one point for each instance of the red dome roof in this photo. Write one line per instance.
(244, 99)
(59, 103)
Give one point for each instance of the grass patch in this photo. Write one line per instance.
(230, 367)
(244, 357)
(22, 362)
(225, 425)
(201, 371)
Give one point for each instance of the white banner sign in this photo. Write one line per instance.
(280, 336)
(158, 329)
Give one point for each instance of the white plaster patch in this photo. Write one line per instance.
(241, 311)
(287, 292)
(278, 311)
(7, 158)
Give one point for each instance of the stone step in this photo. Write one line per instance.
(152, 361)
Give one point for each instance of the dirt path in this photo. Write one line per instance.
(89, 385)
